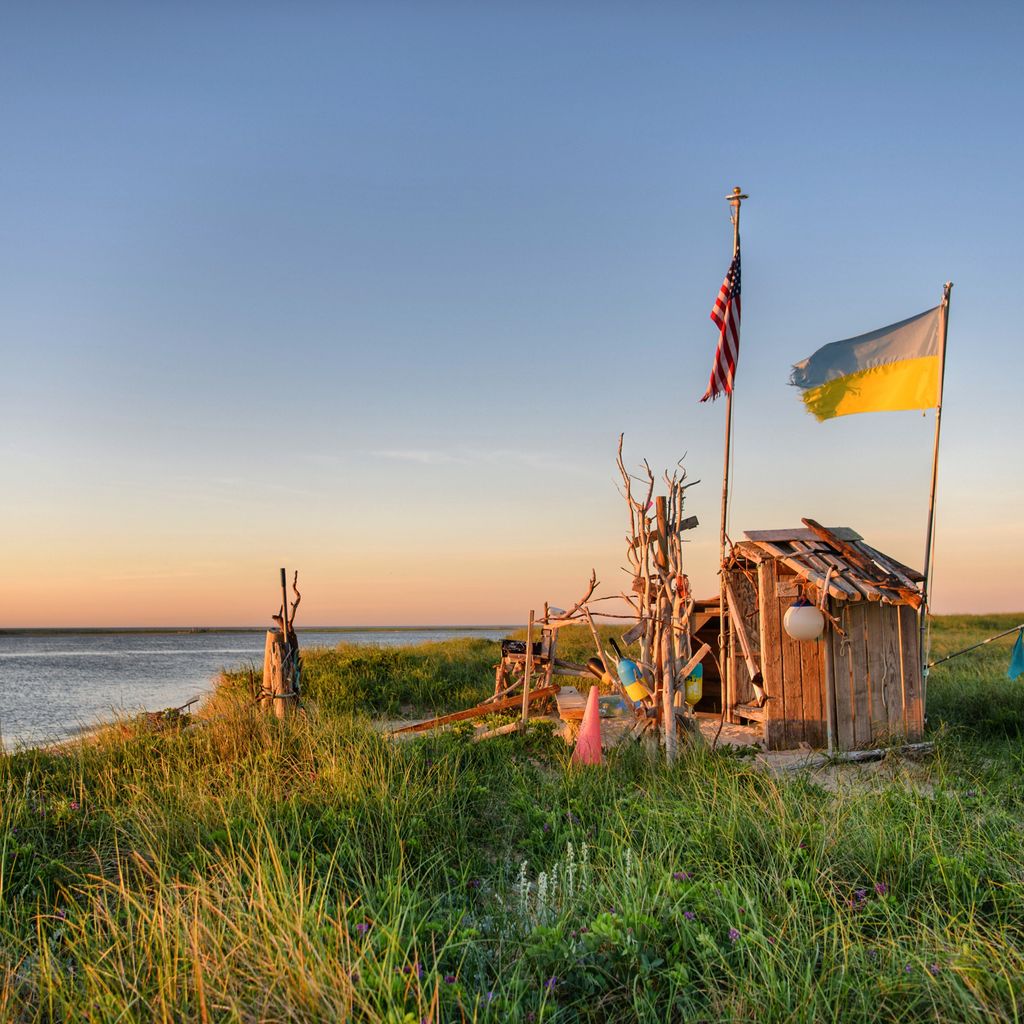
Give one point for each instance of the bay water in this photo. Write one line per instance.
(56, 684)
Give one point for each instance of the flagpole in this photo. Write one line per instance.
(929, 535)
(734, 199)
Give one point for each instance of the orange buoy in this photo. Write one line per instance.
(588, 745)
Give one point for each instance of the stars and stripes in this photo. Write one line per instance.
(726, 315)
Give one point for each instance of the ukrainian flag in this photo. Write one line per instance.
(895, 367)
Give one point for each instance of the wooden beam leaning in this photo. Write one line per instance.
(862, 561)
(477, 712)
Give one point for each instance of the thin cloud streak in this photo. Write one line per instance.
(480, 457)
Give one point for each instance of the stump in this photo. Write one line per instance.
(279, 673)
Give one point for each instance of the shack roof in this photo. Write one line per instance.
(859, 572)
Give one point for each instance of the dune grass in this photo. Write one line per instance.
(239, 870)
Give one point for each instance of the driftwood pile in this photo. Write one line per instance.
(661, 606)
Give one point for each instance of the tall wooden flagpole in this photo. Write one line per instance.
(735, 198)
(930, 533)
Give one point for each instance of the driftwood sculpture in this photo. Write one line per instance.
(282, 663)
(659, 593)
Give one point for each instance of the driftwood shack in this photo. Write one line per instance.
(857, 685)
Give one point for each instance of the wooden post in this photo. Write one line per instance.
(270, 680)
(668, 713)
(528, 670)
(274, 664)
(735, 200)
(830, 686)
(929, 533)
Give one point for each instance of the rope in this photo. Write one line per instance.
(974, 647)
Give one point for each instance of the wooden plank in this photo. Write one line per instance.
(477, 712)
(898, 567)
(792, 681)
(823, 562)
(661, 514)
(910, 662)
(771, 657)
(861, 698)
(865, 564)
(836, 588)
(892, 679)
(842, 687)
(743, 618)
(812, 677)
(798, 533)
(887, 687)
(633, 633)
(750, 712)
(875, 618)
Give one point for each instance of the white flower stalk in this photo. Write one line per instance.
(524, 889)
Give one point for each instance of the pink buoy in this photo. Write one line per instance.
(588, 745)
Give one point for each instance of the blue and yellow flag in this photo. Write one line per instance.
(895, 367)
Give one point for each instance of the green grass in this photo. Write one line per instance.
(242, 871)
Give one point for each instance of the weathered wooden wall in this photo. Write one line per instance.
(876, 673)
(794, 672)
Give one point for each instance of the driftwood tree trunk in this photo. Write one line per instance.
(660, 590)
(282, 664)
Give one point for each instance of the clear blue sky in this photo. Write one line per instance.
(371, 288)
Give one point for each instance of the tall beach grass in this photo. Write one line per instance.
(239, 869)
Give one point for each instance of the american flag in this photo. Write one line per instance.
(726, 314)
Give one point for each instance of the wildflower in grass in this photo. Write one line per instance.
(733, 934)
(972, 793)
(363, 927)
(542, 892)
(551, 983)
(449, 979)
(742, 910)
(934, 968)
(73, 805)
(531, 1017)
(473, 883)
(907, 969)
(861, 895)
(689, 915)
(881, 888)
(62, 914)
(771, 940)
(523, 888)
(682, 876)
(489, 996)
(547, 827)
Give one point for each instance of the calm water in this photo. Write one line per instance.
(54, 684)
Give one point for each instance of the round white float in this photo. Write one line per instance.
(804, 621)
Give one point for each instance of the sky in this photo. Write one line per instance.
(371, 289)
